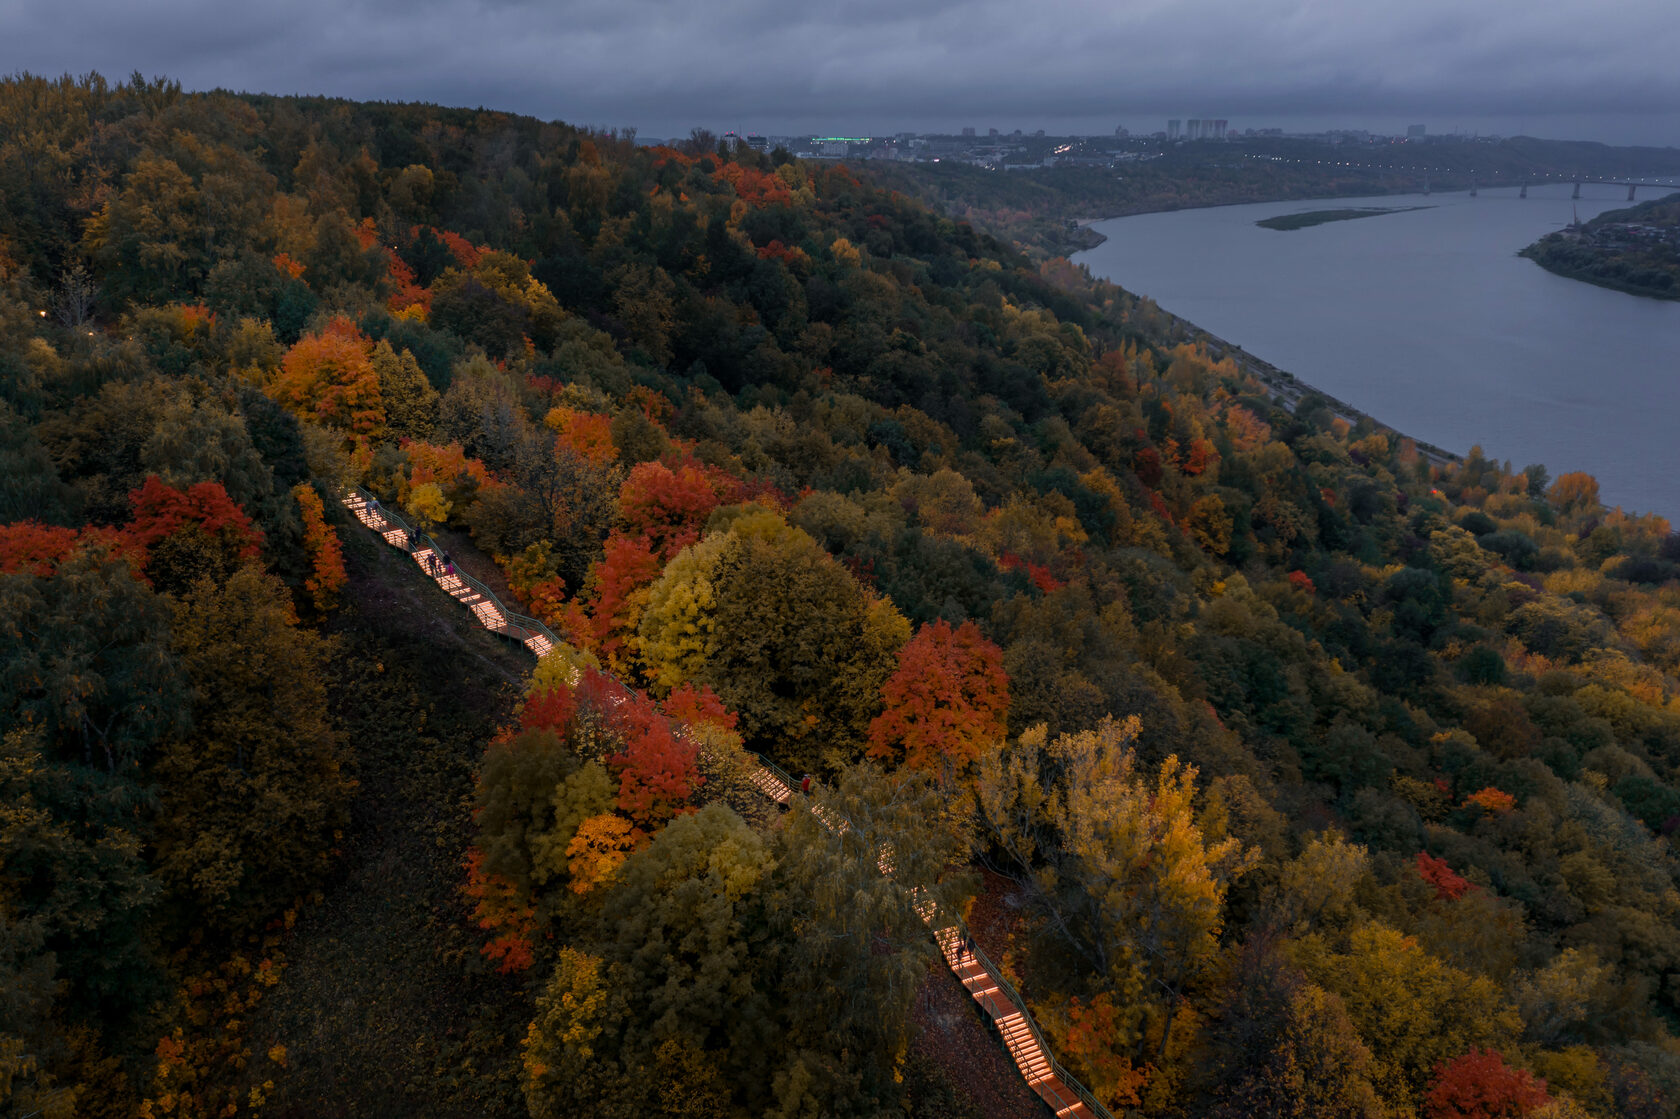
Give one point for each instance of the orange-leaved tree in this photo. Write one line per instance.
(458, 478)
(1574, 490)
(329, 378)
(946, 700)
(532, 578)
(327, 576)
(586, 434)
(1490, 799)
(597, 849)
(1088, 1039)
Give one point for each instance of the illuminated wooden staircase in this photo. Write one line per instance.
(1003, 1005)
(486, 608)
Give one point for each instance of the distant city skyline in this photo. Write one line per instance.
(1558, 69)
(1606, 130)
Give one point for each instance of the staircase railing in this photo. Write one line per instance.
(1007, 989)
(775, 771)
(518, 626)
(939, 919)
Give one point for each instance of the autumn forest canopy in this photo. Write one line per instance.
(1283, 768)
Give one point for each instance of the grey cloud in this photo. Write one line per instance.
(666, 64)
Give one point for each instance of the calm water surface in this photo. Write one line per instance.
(1430, 322)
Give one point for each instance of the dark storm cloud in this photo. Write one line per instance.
(665, 64)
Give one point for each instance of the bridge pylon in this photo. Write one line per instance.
(1631, 189)
(1472, 188)
(1523, 193)
(1577, 193)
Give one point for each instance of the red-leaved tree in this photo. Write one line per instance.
(948, 697)
(549, 710)
(1480, 1085)
(669, 506)
(656, 771)
(499, 909)
(1448, 885)
(33, 547)
(177, 535)
(620, 580)
(689, 705)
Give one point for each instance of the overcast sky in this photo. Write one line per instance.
(1584, 69)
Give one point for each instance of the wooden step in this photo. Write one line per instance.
(1034, 1065)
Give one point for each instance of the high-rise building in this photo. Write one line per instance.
(1193, 129)
(968, 132)
(1172, 129)
(1219, 129)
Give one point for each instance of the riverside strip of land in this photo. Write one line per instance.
(1320, 217)
(1636, 250)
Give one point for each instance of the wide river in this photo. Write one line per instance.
(1429, 321)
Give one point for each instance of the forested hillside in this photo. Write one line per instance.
(1284, 773)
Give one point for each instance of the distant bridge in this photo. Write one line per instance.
(1509, 179)
(1491, 179)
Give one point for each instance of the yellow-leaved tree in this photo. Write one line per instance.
(759, 612)
(1414, 1010)
(1130, 880)
(427, 504)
